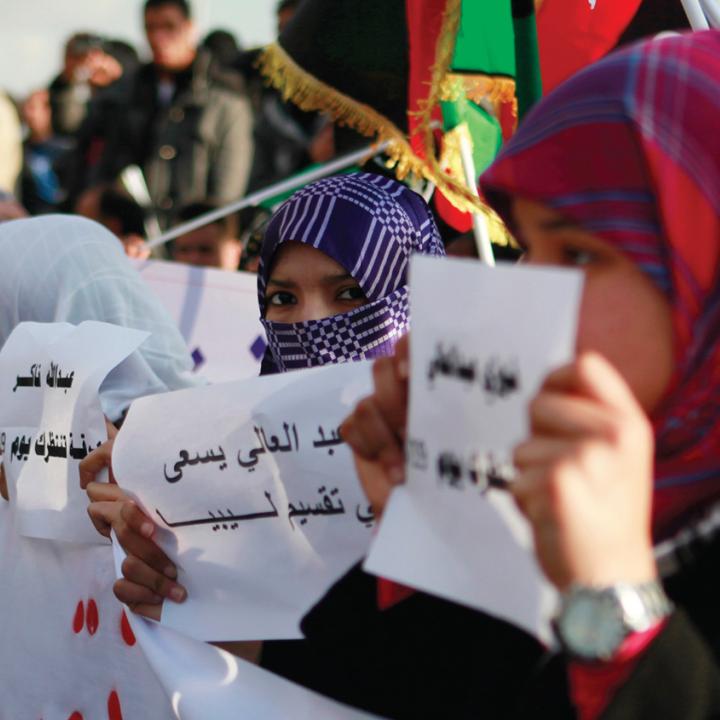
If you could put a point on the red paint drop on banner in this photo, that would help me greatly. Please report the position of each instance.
(79, 618)
(126, 631)
(114, 711)
(93, 619)
(76, 716)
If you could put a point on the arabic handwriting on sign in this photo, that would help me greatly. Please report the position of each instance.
(482, 472)
(367, 517)
(500, 379)
(274, 445)
(329, 443)
(56, 446)
(185, 459)
(54, 378)
(220, 519)
(326, 507)
(496, 378)
(20, 448)
(31, 380)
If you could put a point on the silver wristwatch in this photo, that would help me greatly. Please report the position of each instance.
(593, 622)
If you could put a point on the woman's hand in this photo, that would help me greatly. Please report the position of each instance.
(148, 574)
(585, 477)
(376, 428)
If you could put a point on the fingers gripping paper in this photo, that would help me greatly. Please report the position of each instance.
(204, 682)
(255, 495)
(482, 342)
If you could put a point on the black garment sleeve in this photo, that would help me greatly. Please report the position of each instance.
(677, 678)
(423, 658)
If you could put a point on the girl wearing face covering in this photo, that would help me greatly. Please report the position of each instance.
(332, 281)
(617, 172)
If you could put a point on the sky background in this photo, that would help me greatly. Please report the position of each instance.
(33, 32)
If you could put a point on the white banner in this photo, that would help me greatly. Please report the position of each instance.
(254, 493)
(217, 313)
(482, 342)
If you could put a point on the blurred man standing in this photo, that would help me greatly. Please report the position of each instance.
(187, 122)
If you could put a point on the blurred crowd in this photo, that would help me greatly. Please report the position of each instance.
(143, 146)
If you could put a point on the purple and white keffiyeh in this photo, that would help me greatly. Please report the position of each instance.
(370, 225)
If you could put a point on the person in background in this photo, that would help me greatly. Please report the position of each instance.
(223, 46)
(87, 67)
(287, 139)
(107, 95)
(43, 153)
(284, 13)
(213, 245)
(186, 122)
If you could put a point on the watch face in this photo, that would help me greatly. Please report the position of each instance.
(591, 625)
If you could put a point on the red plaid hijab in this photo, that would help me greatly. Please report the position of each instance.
(630, 149)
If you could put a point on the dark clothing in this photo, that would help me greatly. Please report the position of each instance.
(676, 678)
(679, 674)
(423, 658)
(44, 173)
(428, 658)
(196, 146)
(68, 104)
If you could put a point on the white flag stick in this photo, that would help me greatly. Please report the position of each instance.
(262, 195)
(480, 226)
(712, 12)
(696, 16)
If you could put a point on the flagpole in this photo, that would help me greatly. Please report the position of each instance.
(711, 8)
(696, 15)
(479, 221)
(267, 193)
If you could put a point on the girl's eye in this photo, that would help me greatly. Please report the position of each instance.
(281, 298)
(578, 257)
(351, 293)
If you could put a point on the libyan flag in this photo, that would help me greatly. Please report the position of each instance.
(389, 68)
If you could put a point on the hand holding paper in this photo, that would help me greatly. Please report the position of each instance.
(147, 572)
(585, 477)
(376, 428)
(473, 374)
(254, 497)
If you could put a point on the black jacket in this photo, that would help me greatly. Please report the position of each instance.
(199, 147)
(423, 658)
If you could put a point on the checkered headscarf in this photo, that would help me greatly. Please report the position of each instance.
(370, 225)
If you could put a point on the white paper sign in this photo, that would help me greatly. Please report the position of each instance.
(483, 340)
(67, 649)
(217, 313)
(205, 682)
(255, 494)
(51, 418)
